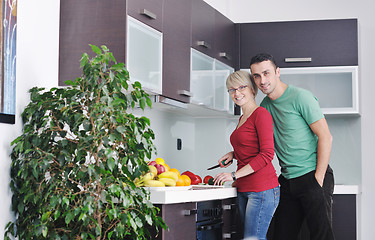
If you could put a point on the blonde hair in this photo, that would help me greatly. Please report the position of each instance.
(242, 78)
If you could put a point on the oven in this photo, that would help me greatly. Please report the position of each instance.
(209, 220)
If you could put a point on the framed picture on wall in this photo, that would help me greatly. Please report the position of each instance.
(8, 60)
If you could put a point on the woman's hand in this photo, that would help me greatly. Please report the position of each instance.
(221, 178)
(227, 157)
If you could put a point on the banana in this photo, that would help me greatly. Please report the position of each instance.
(171, 175)
(147, 176)
(168, 182)
(153, 183)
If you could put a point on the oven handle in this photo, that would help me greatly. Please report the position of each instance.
(209, 227)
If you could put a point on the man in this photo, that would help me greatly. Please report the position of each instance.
(303, 146)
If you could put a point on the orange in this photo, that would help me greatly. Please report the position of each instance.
(180, 181)
(175, 170)
(187, 180)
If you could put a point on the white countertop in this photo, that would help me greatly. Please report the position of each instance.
(346, 189)
(181, 195)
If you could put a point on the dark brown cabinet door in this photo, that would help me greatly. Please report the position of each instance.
(203, 27)
(87, 22)
(149, 12)
(213, 34)
(231, 220)
(344, 219)
(176, 49)
(326, 42)
(226, 46)
(181, 220)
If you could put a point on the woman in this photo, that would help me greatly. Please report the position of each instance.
(256, 181)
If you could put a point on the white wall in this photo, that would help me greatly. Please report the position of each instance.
(37, 65)
(289, 10)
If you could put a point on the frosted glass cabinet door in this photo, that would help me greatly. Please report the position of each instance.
(336, 88)
(144, 55)
(202, 83)
(222, 100)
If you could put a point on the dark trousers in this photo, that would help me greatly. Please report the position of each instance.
(303, 199)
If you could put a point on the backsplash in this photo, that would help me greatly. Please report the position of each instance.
(205, 140)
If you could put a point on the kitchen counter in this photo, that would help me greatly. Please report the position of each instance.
(181, 194)
(190, 195)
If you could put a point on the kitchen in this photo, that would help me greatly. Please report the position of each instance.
(37, 64)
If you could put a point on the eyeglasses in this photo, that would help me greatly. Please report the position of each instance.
(240, 89)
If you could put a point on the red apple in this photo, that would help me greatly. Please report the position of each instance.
(160, 168)
(152, 163)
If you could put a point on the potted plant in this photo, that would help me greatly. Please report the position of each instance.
(74, 165)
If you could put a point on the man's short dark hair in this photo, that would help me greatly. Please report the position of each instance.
(261, 57)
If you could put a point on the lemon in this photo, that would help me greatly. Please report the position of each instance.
(160, 161)
(167, 168)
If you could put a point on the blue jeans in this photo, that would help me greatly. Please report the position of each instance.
(256, 210)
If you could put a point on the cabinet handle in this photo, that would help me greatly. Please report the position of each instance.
(185, 93)
(225, 55)
(229, 206)
(308, 59)
(148, 14)
(190, 212)
(204, 44)
(228, 235)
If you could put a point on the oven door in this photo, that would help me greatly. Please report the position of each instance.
(209, 230)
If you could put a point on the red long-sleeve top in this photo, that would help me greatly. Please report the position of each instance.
(253, 144)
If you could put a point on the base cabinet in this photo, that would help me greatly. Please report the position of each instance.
(231, 221)
(206, 220)
(180, 219)
(344, 219)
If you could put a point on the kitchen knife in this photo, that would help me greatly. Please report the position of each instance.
(218, 165)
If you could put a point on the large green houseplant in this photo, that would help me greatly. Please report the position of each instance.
(74, 165)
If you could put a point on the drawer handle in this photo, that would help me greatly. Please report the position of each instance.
(148, 14)
(204, 44)
(185, 93)
(190, 212)
(225, 55)
(308, 59)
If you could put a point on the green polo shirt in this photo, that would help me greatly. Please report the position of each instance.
(295, 142)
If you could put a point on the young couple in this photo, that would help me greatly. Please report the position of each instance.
(290, 122)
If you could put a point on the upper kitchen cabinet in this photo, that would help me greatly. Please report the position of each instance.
(213, 34)
(149, 12)
(226, 45)
(301, 43)
(144, 55)
(336, 88)
(176, 50)
(207, 84)
(87, 22)
(202, 27)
